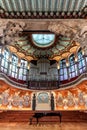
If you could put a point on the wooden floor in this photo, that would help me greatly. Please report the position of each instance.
(44, 126)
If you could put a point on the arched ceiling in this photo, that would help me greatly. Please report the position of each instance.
(18, 35)
(25, 47)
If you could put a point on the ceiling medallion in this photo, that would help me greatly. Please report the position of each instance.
(43, 40)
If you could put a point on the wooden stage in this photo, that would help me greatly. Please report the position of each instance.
(19, 120)
(44, 126)
(24, 116)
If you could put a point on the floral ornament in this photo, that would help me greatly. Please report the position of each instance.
(60, 100)
(70, 99)
(0, 99)
(10, 31)
(80, 98)
(62, 28)
(15, 100)
(26, 100)
(5, 96)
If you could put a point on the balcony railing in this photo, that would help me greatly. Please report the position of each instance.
(44, 85)
(11, 82)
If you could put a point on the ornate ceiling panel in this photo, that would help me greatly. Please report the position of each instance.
(25, 48)
(43, 5)
(42, 8)
(66, 32)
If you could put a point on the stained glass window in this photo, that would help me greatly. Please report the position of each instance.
(81, 62)
(73, 67)
(0, 55)
(23, 70)
(63, 70)
(13, 66)
(5, 61)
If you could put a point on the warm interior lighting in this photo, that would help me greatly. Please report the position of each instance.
(19, 64)
(76, 59)
(67, 63)
(83, 52)
(58, 66)
(12, 49)
(57, 58)
(21, 55)
(28, 67)
(29, 58)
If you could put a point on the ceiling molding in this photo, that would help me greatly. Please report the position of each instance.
(39, 9)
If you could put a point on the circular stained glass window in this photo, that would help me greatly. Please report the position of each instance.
(43, 40)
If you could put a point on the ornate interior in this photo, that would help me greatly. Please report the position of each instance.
(43, 50)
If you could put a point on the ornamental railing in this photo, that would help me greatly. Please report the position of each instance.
(44, 85)
(78, 80)
(11, 82)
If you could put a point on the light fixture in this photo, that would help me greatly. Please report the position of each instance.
(58, 65)
(76, 58)
(28, 67)
(67, 63)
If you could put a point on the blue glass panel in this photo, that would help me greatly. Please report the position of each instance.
(13, 66)
(43, 39)
(0, 50)
(61, 71)
(86, 59)
(61, 77)
(23, 69)
(80, 71)
(73, 74)
(0, 55)
(65, 76)
(5, 61)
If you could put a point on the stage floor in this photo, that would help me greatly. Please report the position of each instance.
(44, 126)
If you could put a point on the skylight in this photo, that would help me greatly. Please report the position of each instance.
(43, 40)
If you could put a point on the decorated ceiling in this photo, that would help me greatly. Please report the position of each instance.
(33, 45)
(36, 39)
(43, 5)
(32, 49)
(42, 8)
